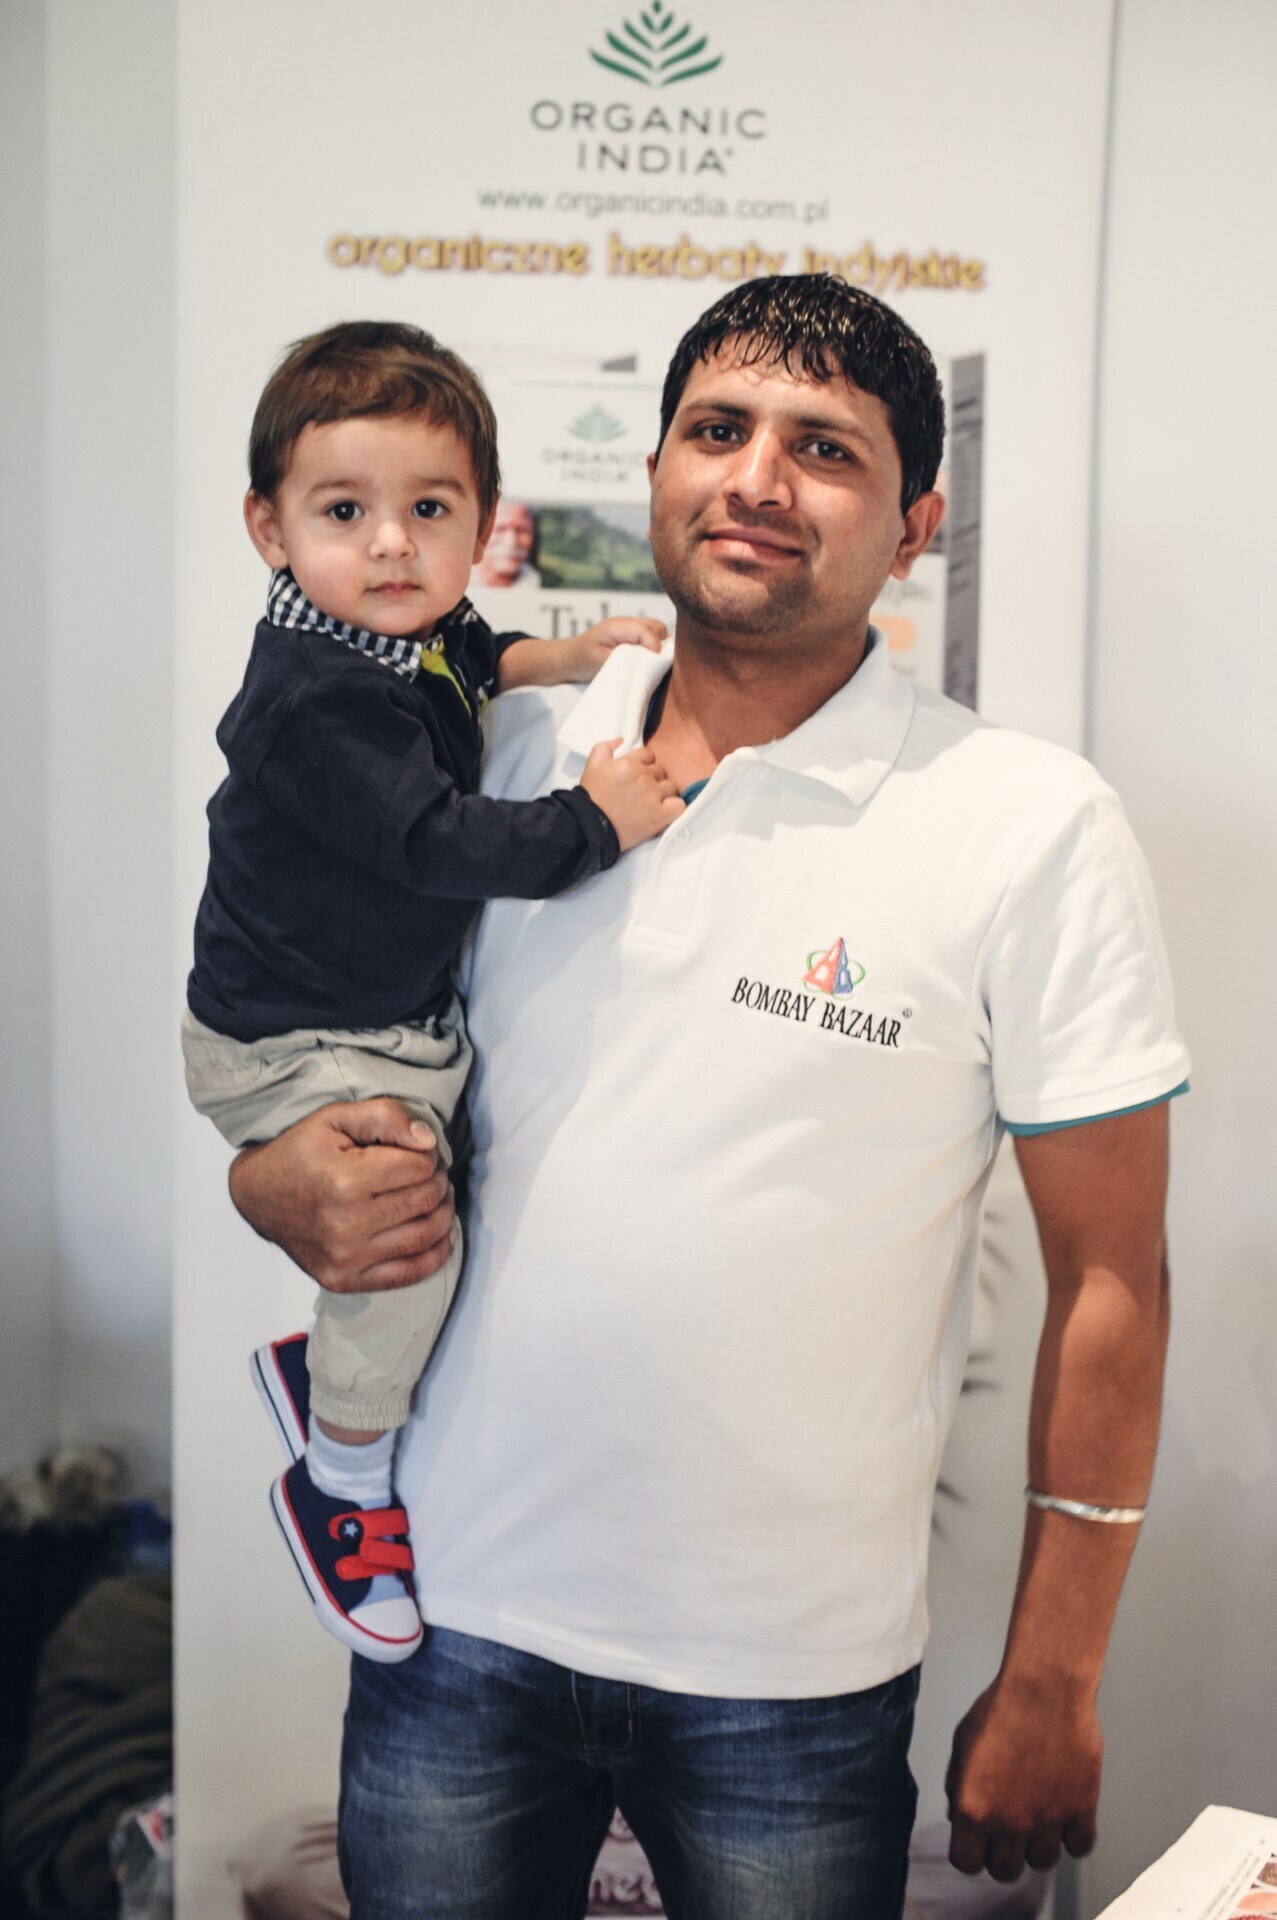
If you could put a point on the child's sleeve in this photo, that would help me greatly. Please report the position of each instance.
(480, 649)
(352, 768)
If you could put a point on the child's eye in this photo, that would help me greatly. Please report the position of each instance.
(428, 509)
(343, 510)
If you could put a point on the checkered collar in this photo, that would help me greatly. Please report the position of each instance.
(288, 606)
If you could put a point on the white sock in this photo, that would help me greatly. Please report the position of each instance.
(359, 1474)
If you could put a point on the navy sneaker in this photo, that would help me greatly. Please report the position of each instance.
(357, 1566)
(282, 1379)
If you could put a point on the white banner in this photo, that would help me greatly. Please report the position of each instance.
(557, 192)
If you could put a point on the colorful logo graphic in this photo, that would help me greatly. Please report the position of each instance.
(597, 426)
(657, 52)
(832, 971)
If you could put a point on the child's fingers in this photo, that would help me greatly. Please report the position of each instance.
(634, 630)
(651, 633)
(601, 755)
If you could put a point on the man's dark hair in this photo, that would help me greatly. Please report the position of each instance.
(361, 367)
(817, 325)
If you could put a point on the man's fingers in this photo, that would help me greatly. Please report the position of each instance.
(383, 1122)
(967, 1845)
(973, 1849)
(425, 1206)
(406, 1270)
(1079, 1835)
(1006, 1856)
(1043, 1849)
(380, 1171)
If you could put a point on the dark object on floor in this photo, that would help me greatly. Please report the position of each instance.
(101, 1740)
(43, 1572)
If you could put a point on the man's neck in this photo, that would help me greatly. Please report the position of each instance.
(718, 700)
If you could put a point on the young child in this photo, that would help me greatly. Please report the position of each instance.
(349, 850)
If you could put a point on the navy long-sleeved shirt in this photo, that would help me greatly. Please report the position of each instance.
(348, 846)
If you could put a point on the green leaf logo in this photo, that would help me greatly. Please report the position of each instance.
(657, 52)
(597, 426)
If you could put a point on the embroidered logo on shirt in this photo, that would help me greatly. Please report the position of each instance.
(832, 972)
(832, 977)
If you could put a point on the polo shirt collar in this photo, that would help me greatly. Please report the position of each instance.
(849, 744)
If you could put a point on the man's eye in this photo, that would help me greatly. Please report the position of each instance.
(428, 509)
(343, 510)
(829, 450)
(719, 433)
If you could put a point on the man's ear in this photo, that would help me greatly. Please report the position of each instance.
(922, 523)
(484, 534)
(263, 528)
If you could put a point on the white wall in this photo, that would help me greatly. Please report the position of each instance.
(88, 125)
(1184, 703)
(28, 1253)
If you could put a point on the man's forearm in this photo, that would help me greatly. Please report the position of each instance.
(1092, 1437)
(1024, 1778)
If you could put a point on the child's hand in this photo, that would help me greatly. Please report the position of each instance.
(590, 649)
(554, 663)
(635, 792)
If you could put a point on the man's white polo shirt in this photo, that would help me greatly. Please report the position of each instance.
(736, 1105)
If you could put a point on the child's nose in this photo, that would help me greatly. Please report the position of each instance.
(391, 536)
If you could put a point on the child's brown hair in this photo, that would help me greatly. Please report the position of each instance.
(361, 367)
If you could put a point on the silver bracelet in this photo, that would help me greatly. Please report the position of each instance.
(1084, 1510)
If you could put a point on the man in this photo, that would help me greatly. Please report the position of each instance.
(672, 1467)
(509, 559)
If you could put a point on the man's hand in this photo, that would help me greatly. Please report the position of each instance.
(1024, 1779)
(354, 1194)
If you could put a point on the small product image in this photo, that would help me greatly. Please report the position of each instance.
(511, 556)
(597, 549)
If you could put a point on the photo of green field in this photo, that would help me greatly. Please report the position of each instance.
(593, 549)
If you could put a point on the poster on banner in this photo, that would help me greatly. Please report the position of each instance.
(570, 544)
(1223, 1868)
(557, 194)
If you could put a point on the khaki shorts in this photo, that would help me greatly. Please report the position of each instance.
(367, 1350)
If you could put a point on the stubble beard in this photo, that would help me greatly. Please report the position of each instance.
(733, 602)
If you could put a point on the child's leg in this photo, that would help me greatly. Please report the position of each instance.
(367, 1352)
(334, 1504)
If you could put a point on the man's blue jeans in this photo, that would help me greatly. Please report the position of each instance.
(478, 1783)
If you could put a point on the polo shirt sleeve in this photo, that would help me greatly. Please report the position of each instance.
(1075, 981)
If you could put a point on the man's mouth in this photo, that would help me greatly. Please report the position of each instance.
(754, 543)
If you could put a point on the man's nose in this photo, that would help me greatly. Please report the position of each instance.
(759, 475)
(390, 536)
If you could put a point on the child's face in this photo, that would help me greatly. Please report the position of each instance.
(379, 520)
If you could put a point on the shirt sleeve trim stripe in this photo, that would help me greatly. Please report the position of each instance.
(1021, 1129)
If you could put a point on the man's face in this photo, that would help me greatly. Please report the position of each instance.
(509, 544)
(776, 506)
(379, 520)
